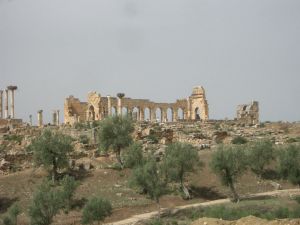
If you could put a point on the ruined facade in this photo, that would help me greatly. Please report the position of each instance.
(248, 114)
(195, 107)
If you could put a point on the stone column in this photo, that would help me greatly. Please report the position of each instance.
(164, 115)
(30, 120)
(6, 104)
(153, 115)
(142, 114)
(54, 117)
(12, 100)
(120, 96)
(40, 118)
(57, 118)
(1, 104)
(175, 115)
(188, 110)
(109, 105)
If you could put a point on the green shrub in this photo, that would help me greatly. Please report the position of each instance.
(239, 140)
(134, 156)
(14, 137)
(96, 210)
(12, 216)
(84, 139)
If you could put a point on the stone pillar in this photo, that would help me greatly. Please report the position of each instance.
(1, 104)
(153, 115)
(109, 105)
(164, 115)
(119, 110)
(12, 100)
(40, 118)
(6, 104)
(142, 114)
(54, 117)
(175, 115)
(57, 118)
(188, 110)
(30, 120)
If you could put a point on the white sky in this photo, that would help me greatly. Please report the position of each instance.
(154, 49)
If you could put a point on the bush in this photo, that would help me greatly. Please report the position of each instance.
(239, 140)
(84, 139)
(134, 156)
(14, 137)
(69, 186)
(45, 204)
(12, 216)
(96, 210)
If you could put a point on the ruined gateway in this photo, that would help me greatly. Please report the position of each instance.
(195, 107)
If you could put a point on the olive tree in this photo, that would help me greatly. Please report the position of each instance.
(289, 163)
(116, 133)
(51, 149)
(149, 178)
(229, 162)
(181, 158)
(134, 155)
(260, 154)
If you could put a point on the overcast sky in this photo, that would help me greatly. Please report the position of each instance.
(239, 50)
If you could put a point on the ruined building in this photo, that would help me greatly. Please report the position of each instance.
(248, 114)
(195, 107)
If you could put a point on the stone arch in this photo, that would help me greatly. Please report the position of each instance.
(91, 113)
(170, 115)
(158, 114)
(180, 114)
(147, 114)
(124, 111)
(197, 113)
(135, 113)
(113, 111)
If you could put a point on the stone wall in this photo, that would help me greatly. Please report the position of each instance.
(248, 114)
(195, 107)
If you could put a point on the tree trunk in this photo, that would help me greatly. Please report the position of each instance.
(158, 208)
(235, 195)
(54, 171)
(118, 156)
(185, 190)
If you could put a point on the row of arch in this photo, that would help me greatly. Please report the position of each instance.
(147, 114)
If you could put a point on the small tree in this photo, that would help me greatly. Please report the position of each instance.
(289, 163)
(46, 203)
(239, 140)
(134, 156)
(51, 149)
(149, 178)
(180, 159)
(116, 133)
(69, 186)
(260, 154)
(229, 162)
(12, 216)
(97, 209)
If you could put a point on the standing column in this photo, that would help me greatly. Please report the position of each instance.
(30, 120)
(175, 115)
(57, 118)
(142, 114)
(120, 96)
(153, 115)
(109, 105)
(164, 115)
(188, 110)
(6, 104)
(1, 104)
(40, 118)
(54, 117)
(12, 100)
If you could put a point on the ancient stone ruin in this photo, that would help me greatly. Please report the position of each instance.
(6, 114)
(248, 114)
(195, 107)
